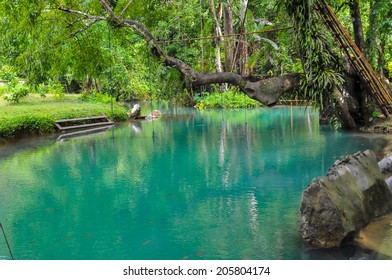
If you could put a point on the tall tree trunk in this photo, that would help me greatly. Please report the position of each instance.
(344, 114)
(361, 94)
(228, 28)
(88, 85)
(357, 24)
(218, 33)
(380, 61)
(241, 52)
(370, 49)
(243, 55)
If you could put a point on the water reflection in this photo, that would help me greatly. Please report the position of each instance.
(208, 185)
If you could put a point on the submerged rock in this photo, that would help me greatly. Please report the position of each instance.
(353, 194)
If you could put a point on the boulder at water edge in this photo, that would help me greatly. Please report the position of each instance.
(352, 195)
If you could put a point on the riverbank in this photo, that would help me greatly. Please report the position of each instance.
(379, 125)
(36, 115)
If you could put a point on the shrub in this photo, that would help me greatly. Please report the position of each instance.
(29, 123)
(230, 99)
(17, 92)
(3, 90)
(8, 74)
(56, 88)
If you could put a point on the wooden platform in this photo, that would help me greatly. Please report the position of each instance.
(83, 123)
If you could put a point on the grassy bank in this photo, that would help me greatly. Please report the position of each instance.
(37, 115)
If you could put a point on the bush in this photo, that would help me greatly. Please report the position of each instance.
(230, 99)
(29, 123)
(3, 90)
(42, 90)
(17, 92)
(56, 88)
(8, 74)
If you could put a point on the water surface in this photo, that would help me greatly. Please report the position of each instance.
(191, 185)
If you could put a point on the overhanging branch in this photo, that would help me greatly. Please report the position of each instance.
(267, 91)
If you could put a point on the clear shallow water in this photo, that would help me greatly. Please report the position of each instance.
(208, 185)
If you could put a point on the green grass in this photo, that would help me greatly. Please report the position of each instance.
(37, 115)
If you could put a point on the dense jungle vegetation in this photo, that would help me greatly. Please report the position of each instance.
(191, 52)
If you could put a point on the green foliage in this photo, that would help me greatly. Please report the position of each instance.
(230, 99)
(26, 124)
(42, 90)
(15, 89)
(8, 74)
(335, 123)
(56, 89)
(321, 65)
(96, 97)
(17, 92)
(378, 32)
(3, 90)
(44, 44)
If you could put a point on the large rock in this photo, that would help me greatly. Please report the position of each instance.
(352, 195)
(135, 112)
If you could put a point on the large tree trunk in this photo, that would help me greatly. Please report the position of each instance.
(380, 60)
(344, 113)
(218, 33)
(267, 91)
(241, 54)
(357, 24)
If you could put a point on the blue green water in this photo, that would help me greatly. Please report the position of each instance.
(191, 185)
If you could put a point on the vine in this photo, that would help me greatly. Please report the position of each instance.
(322, 71)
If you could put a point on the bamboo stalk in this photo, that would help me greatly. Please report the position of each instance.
(355, 57)
(6, 241)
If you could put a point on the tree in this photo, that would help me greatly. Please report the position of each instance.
(378, 39)
(266, 91)
(357, 24)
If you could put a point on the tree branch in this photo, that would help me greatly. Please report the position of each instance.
(125, 8)
(85, 15)
(109, 10)
(73, 34)
(267, 91)
(74, 22)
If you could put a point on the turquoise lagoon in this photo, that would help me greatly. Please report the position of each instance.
(191, 185)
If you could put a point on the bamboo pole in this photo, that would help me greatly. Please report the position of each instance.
(6, 241)
(355, 57)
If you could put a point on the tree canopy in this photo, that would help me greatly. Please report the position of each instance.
(145, 49)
